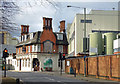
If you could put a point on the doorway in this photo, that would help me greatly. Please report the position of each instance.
(36, 64)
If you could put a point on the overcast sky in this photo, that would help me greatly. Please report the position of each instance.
(31, 14)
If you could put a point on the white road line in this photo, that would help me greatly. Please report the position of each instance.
(58, 81)
(49, 78)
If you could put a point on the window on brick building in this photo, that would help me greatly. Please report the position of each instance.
(48, 46)
(20, 50)
(24, 49)
(60, 36)
(28, 48)
(25, 37)
(60, 48)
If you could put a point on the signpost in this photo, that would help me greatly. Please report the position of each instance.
(85, 66)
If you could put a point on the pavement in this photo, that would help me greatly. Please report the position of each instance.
(80, 77)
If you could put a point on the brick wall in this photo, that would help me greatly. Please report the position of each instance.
(107, 67)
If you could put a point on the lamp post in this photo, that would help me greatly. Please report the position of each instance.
(84, 34)
(84, 30)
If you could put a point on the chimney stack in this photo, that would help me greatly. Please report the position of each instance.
(62, 26)
(24, 29)
(47, 23)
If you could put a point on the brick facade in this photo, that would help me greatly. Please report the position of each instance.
(106, 67)
(46, 35)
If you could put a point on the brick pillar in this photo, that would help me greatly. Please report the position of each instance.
(110, 63)
(97, 67)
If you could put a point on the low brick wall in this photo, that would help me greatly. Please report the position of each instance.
(107, 67)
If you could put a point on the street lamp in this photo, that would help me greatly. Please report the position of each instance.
(84, 35)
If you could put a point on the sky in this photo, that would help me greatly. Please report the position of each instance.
(32, 13)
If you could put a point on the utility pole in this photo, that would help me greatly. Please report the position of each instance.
(85, 41)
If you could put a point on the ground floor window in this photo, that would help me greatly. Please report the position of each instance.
(28, 62)
(17, 63)
(23, 62)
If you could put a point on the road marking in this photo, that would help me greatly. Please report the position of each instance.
(49, 78)
(58, 81)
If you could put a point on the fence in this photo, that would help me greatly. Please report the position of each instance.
(107, 67)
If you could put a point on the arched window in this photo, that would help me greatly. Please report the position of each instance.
(48, 46)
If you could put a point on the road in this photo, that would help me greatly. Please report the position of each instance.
(40, 78)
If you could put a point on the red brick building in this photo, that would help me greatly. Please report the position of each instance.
(41, 46)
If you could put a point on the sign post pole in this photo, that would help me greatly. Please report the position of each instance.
(84, 66)
(5, 68)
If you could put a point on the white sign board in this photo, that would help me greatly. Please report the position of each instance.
(68, 63)
(116, 43)
(93, 50)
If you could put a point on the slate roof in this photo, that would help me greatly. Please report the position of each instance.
(36, 39)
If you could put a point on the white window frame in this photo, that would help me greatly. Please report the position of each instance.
(60, 36)
(32, 48)
(31, 35)
(20, 39)
(25, 37)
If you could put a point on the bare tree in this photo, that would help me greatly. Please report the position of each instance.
(9, 8)
(7, 11)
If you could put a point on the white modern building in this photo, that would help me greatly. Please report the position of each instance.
(96, 21)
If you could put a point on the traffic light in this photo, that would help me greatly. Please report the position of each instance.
(5, 53)
(63, 56)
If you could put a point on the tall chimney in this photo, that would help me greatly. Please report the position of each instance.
(62, 26)
(24, 29)
(47, 23)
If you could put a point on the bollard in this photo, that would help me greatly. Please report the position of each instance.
(75, 72)
(17, 81)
